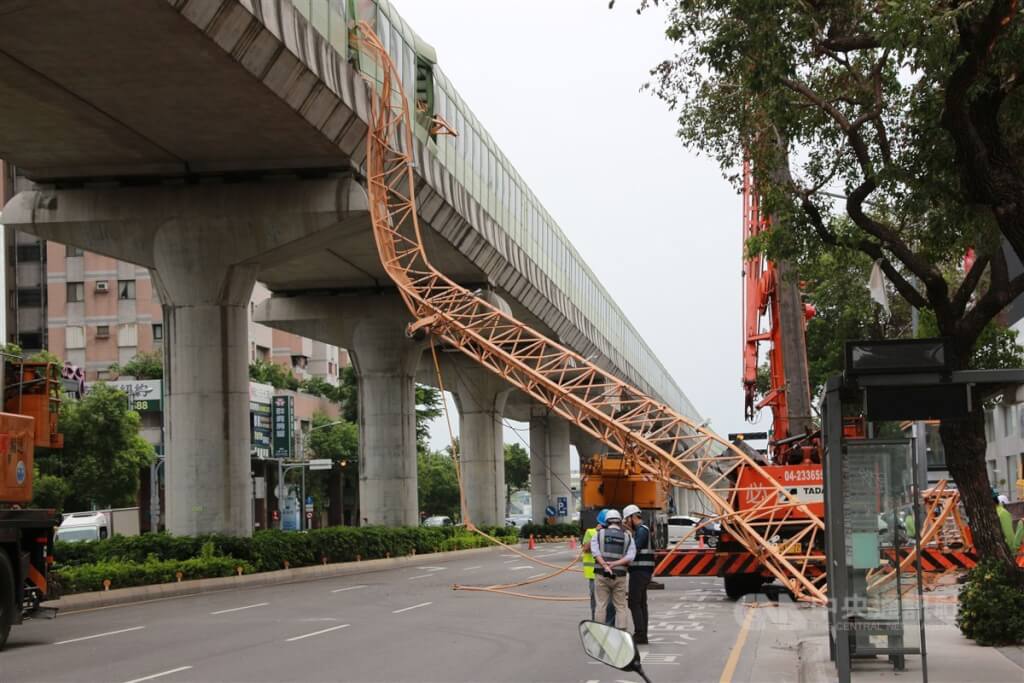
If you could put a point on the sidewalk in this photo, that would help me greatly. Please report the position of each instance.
(951, 657)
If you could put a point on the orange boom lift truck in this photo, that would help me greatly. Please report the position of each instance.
(32, 394)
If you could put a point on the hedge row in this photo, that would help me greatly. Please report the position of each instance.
(549, 530)
(90, 577)
(155, 558)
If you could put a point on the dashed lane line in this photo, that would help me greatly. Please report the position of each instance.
(476, 566)
(536, 576)
(239, 609)
(421, 576)
(316, 633)
(162, 673)
(99, 635)
(525, 566)
(406, 609)
(347, 588)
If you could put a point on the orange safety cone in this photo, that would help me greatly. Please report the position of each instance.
(700, 542)
(533, 543)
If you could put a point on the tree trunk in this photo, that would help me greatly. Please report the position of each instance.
(964, 443)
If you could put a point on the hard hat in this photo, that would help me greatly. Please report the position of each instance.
(612, 516)
(630, 510)
(1003, 500)
(601, 517)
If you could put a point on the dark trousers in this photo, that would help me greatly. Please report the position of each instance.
(637, 601)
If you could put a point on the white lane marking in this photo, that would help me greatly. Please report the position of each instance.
(475, 566)
(162, 673)
(536, 576)
(421, 576)
(239, 609)
(518, 559)
(316, 633)
(432, 569)
(346, 588)
(507, 555)
(406, 609)
(525, 566)
(99, 635)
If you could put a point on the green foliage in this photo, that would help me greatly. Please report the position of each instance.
(428, 407)
(154, 558)
(49, 491)
(45, 356)
(348, 393)
(274, 374)
(991, 606)
(549, 530)
(102, 452)
(12, 349)
(438, 484)
(146, 365)
(90, 577)
(517, 469)
(338, 442)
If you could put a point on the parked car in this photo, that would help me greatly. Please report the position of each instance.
(681, 525)
(438, 520)
(517, 520)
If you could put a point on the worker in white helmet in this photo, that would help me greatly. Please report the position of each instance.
(613, 549)
(641, 569)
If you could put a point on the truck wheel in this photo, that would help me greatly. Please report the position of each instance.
(738, 585)
(7, 605)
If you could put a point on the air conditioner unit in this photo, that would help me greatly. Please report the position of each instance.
(102, 286)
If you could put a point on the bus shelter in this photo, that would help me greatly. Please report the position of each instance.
(873, 485)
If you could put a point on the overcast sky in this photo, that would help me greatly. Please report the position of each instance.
(557, 84)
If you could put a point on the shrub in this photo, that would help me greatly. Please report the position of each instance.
(90, 577)
(991, 606)
(549, 530)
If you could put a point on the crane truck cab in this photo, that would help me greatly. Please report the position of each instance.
(83, 526)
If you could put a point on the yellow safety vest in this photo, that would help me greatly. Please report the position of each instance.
(588, 559)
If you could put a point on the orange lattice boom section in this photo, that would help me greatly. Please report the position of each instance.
(651, 436)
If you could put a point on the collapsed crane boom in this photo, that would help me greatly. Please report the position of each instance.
(650, 435)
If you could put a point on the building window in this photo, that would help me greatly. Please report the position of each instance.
(126, 289)
(158, 331)
(102, 331)
(75, 251)
(29, 252)
(30, 296)
(74, 337)
(76, 292)
(30, 340)
(128, 334)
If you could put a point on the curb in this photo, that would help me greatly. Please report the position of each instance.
(136, 594)
(813, 663)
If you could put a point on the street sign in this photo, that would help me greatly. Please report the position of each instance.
(283, 423)
(320, 464)
(550, 511)
(563, 506)
(309, 514)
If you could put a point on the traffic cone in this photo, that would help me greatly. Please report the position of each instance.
(700, 542)
(533, 543)
(572, 543)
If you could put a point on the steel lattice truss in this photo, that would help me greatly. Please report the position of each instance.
(652, 437)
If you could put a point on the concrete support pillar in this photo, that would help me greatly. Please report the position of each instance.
(480, 397)
(206, 377)
(385, 362)
(550, 470)
(372, 328)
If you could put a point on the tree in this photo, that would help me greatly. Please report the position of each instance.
(275, 374)
(517, 469)
(336, 440)
(438, 484)
(911, 110)
(146, 365)
(102, 452)
(428, 407)
(49, 491)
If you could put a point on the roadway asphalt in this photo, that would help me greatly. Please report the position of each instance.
(404, 624)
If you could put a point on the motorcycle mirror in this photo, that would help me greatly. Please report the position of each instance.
(611, 646)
